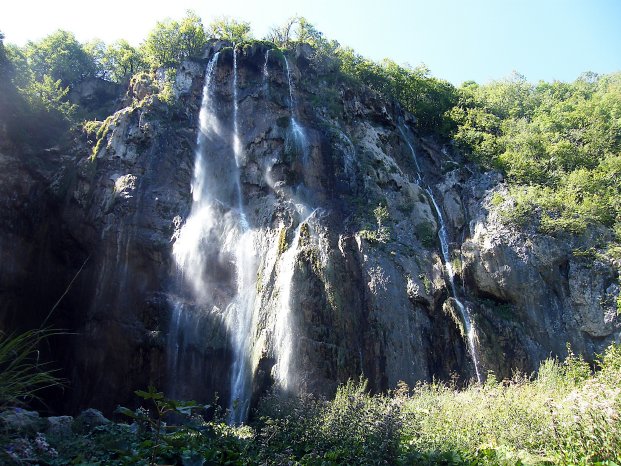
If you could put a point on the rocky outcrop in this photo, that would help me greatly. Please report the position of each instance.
(368, 289)
(537, 293)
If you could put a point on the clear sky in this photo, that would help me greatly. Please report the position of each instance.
(458, 40)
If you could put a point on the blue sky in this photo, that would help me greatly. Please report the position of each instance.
(458, 40)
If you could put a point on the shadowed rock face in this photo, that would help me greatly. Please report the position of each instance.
(355, 305)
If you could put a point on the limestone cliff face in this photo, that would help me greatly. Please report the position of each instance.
(367, 289)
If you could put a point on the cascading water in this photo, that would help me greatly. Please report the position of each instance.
(298, 131)
(266, 74)
(216, 236)
(283, 331)
(187, 250)
(236, 141)
(463, 309)
(446, 256)
(240, 312)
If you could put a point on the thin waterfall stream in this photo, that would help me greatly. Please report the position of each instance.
(298, 131)
(446, 257)
(240, 312)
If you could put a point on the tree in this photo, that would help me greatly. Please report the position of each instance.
(192, 35)
(229, 29)
(4, 61)
(296, 29)
(282, 35)
(121, 61)
(60, 56)
(171, 42)
(96, 49)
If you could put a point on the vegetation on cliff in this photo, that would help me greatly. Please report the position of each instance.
(557, 143)
(558, 146)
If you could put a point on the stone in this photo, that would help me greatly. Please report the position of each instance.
(21, 421)
(87, 420)
(59, 426)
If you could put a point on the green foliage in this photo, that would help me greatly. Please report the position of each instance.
(155, 424)
(171, 42)
(382, 233)
(354, 428)
(567, 414)
(61, 57)
(282, 240)
(229, 29)
(166, 93)
(426, 283)
(426, 234)
(21, 373)
(557, 143)
(296, 30)
(426, 97)
(49, 96)
(121, 61)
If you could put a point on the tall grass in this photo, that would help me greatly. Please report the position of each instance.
(22, 375)
(567, 414)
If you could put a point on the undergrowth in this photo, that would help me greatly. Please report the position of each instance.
(566, 414)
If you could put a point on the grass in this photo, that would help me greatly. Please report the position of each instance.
(22, 376)
(566, 414)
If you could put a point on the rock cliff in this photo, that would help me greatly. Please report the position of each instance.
(333, 192)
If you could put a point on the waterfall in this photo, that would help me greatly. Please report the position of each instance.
(284, 326)
(240, 312)
(237, 150)
(266, 74)
(463, 309)
(298, 131)
(215, 243)
(446, 256)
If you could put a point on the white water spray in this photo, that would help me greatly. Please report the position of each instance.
(266, 74)
(237, 149)
(239, 315)
(216, 237)
(463, 309)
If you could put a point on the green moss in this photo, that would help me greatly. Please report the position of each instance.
(102, 134)
(456, 264)
(166, 93)
(91, 128)
(497, 199)
(259, 285)
(311, 256)
(304, 234)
